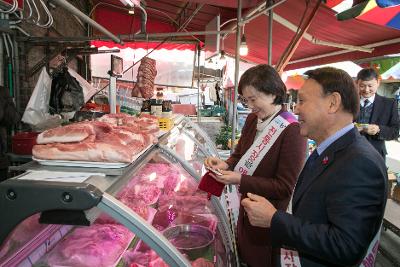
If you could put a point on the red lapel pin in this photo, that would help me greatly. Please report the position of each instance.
(325, 160)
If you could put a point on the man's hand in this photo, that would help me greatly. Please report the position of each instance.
(228, 177)
(259, 210)
(372, 129)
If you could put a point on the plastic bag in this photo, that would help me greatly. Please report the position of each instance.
(66, 93)
(36, 111)
(88, 89)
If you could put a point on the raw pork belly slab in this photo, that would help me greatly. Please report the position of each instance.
(95, 246)
(113, 151)
(66, 134)
(73, 133)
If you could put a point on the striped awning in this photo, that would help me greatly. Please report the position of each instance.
(381, 12)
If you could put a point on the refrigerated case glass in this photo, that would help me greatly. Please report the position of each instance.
(163, 194)
(20, 237)
(187, 126)
(187, 149)
(191, 144)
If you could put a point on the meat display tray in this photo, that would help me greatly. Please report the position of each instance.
(89, 164)
(85, 164)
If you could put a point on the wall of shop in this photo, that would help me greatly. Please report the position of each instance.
(30, 53)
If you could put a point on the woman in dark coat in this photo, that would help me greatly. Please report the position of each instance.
(276, 172)
(8, 117)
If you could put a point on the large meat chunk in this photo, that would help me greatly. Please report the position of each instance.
(113, 151)
(76, 132)
(66, 134)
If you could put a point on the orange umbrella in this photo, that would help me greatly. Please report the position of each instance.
(294, 82)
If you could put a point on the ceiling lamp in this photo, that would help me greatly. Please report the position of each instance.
(243, 49)
(131, 11)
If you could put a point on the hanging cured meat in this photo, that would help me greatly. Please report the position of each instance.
(145, 78)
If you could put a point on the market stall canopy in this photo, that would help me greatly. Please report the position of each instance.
(392, 74)
(383, 12)
(326, 40)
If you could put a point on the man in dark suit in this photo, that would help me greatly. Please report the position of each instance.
(378, 119)
(340, 197)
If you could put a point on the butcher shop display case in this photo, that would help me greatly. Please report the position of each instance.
(188, 127)
(151, 215)
(191, 144)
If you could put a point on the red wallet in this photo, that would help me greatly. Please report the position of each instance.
(210, 185)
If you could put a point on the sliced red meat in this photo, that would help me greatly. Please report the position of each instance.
(148, 193)
(97, 245)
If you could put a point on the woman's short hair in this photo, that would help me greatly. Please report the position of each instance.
(264, 79)
(367, 74)
(337, 80)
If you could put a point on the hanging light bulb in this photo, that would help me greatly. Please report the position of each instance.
(243, 49)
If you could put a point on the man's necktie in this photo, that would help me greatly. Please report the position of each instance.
(366, 102)
(307, 167)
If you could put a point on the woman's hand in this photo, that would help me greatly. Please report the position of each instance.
(216, 163)
(228, 177)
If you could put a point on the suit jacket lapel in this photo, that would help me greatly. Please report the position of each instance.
(376, 109)
(309, 176)
(322, 163)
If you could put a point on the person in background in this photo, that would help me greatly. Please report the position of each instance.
(378, 119)
(340, 197)
(8, 117)
(267, 160)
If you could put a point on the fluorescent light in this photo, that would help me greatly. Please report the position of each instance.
(243, 49)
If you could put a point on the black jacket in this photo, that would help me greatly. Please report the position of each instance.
(385, 115)
(338, 207)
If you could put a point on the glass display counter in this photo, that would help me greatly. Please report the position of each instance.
(151, 215)
(189, 142)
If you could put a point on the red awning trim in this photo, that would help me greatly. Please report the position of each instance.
(145, 45)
